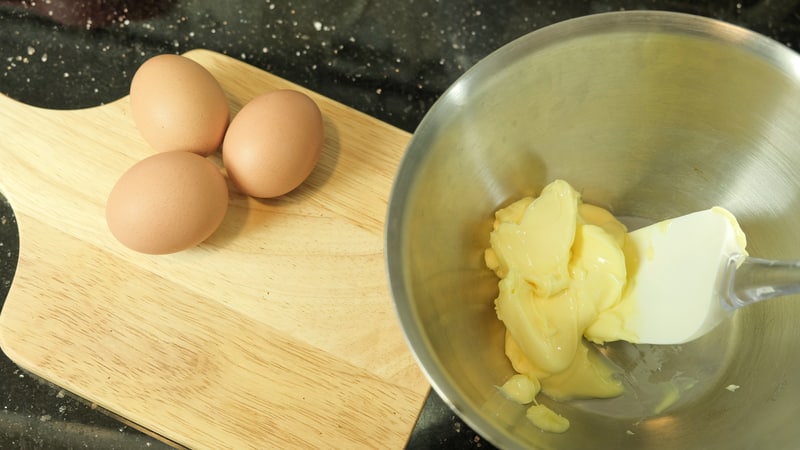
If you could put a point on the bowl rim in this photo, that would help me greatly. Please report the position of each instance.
(653, 21)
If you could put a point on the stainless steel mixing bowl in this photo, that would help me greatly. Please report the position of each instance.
(652, 115)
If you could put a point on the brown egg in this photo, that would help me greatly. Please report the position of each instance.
(273, 143)
(178, 105)
(167, 202)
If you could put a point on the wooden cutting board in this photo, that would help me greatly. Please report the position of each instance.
(277, 332)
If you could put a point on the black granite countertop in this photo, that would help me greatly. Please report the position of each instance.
(388, 59)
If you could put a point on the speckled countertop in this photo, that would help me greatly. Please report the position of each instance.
(388, 59)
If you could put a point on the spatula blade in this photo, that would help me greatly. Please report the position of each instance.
(675, 269)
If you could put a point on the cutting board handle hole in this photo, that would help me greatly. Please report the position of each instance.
(9, 247)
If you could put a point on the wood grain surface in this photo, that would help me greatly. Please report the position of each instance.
(277, 332)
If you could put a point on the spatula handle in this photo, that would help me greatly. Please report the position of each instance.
(757, 279)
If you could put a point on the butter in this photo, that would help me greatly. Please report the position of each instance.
(547, 419)
(741, 239)
(562, 272)
(546, 229)
(521, 388)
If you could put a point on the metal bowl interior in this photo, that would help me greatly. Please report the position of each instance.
(652, 115)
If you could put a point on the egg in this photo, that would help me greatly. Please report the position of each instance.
(273, 144)
(167, 202)
(177, 105)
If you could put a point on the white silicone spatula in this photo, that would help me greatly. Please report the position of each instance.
(687, 275)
